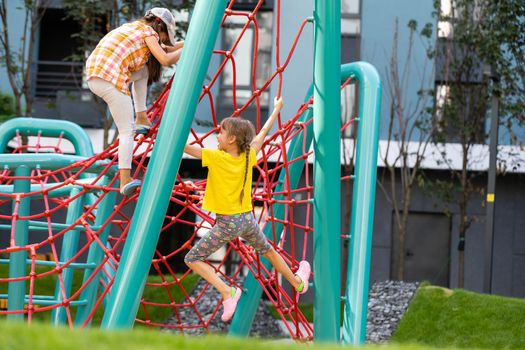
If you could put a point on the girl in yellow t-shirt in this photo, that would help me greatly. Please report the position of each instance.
(228, 195)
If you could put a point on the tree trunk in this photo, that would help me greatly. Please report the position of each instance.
(463, 219)
(403, 228)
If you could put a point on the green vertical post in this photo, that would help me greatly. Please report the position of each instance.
(362, 220)
(164, 164)
(68, 250)
(247, 307)
(16, 291)
(243, 318)
(95, 256)
(327, 170)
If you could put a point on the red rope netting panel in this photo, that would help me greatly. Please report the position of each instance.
(170, 290)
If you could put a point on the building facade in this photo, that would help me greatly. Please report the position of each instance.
(368, 29)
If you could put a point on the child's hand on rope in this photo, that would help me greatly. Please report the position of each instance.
(278, 104)
(189, 185)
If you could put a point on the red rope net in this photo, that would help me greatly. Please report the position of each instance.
(169, 290)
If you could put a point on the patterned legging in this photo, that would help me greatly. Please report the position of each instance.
(226, 229)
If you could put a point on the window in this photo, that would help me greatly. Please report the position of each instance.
(350, 18)
(350, 52)
(449, 12)
(444, 24)
(469, 110)
(248, 5)
(244, 60)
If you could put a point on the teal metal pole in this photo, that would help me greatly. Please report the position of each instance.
(68, 250)
(247, 307)
(327, 170)
(95, 256)
(16, 291)
(354, 326)
(164, 164)
(49, 128)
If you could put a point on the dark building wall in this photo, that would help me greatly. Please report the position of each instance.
(509, 236)
(509, 243)
(509, 233)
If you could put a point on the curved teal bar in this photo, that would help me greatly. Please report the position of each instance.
(124, 298)
(68, 250)
(49, 128)
(243, 318)
(363, 200)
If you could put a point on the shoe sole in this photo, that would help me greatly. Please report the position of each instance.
(129, 188)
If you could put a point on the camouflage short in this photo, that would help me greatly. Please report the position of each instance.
(226, 229)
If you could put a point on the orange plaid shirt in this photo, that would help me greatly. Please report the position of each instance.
(119, 53)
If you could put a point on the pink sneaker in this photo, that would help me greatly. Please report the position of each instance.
(304, 274)
(230, 305)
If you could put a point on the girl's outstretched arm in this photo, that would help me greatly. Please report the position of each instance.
(194, 151)
(259, 139)
(178, 45)
(164, 58)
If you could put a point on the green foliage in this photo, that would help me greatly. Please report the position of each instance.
(7, 107)
(97, 18)
(485, 33)
(18, 62)
(442, 317)
(162, 295)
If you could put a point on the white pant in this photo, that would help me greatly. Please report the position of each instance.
(121, 109)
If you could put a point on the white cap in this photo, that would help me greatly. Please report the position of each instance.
(167, 17)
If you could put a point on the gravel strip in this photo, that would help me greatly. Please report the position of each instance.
(264, 325)
(387, 303)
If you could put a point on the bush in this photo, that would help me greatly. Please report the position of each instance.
(7, 107)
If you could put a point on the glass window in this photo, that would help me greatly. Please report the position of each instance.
(350, 7)
(442, 94)
(349, 53)
(444, 25)
(350, 26)
(244, 60)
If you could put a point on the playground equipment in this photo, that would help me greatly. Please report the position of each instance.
(112, 241)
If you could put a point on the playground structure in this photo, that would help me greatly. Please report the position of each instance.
(115, 250)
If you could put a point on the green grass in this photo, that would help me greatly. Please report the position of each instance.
(307, 310)
(160, 295)
(437, 317)
(19, 336)
(157, 314)
(442, 317)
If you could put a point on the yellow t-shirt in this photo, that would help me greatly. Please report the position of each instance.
(224, 184)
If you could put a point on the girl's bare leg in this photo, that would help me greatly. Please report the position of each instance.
(282, 267)
(125, 177)
(208, 273)
(142, 118)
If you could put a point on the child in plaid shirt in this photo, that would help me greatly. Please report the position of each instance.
(133, 52)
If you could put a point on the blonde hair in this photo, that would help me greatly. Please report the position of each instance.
(244, 133)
